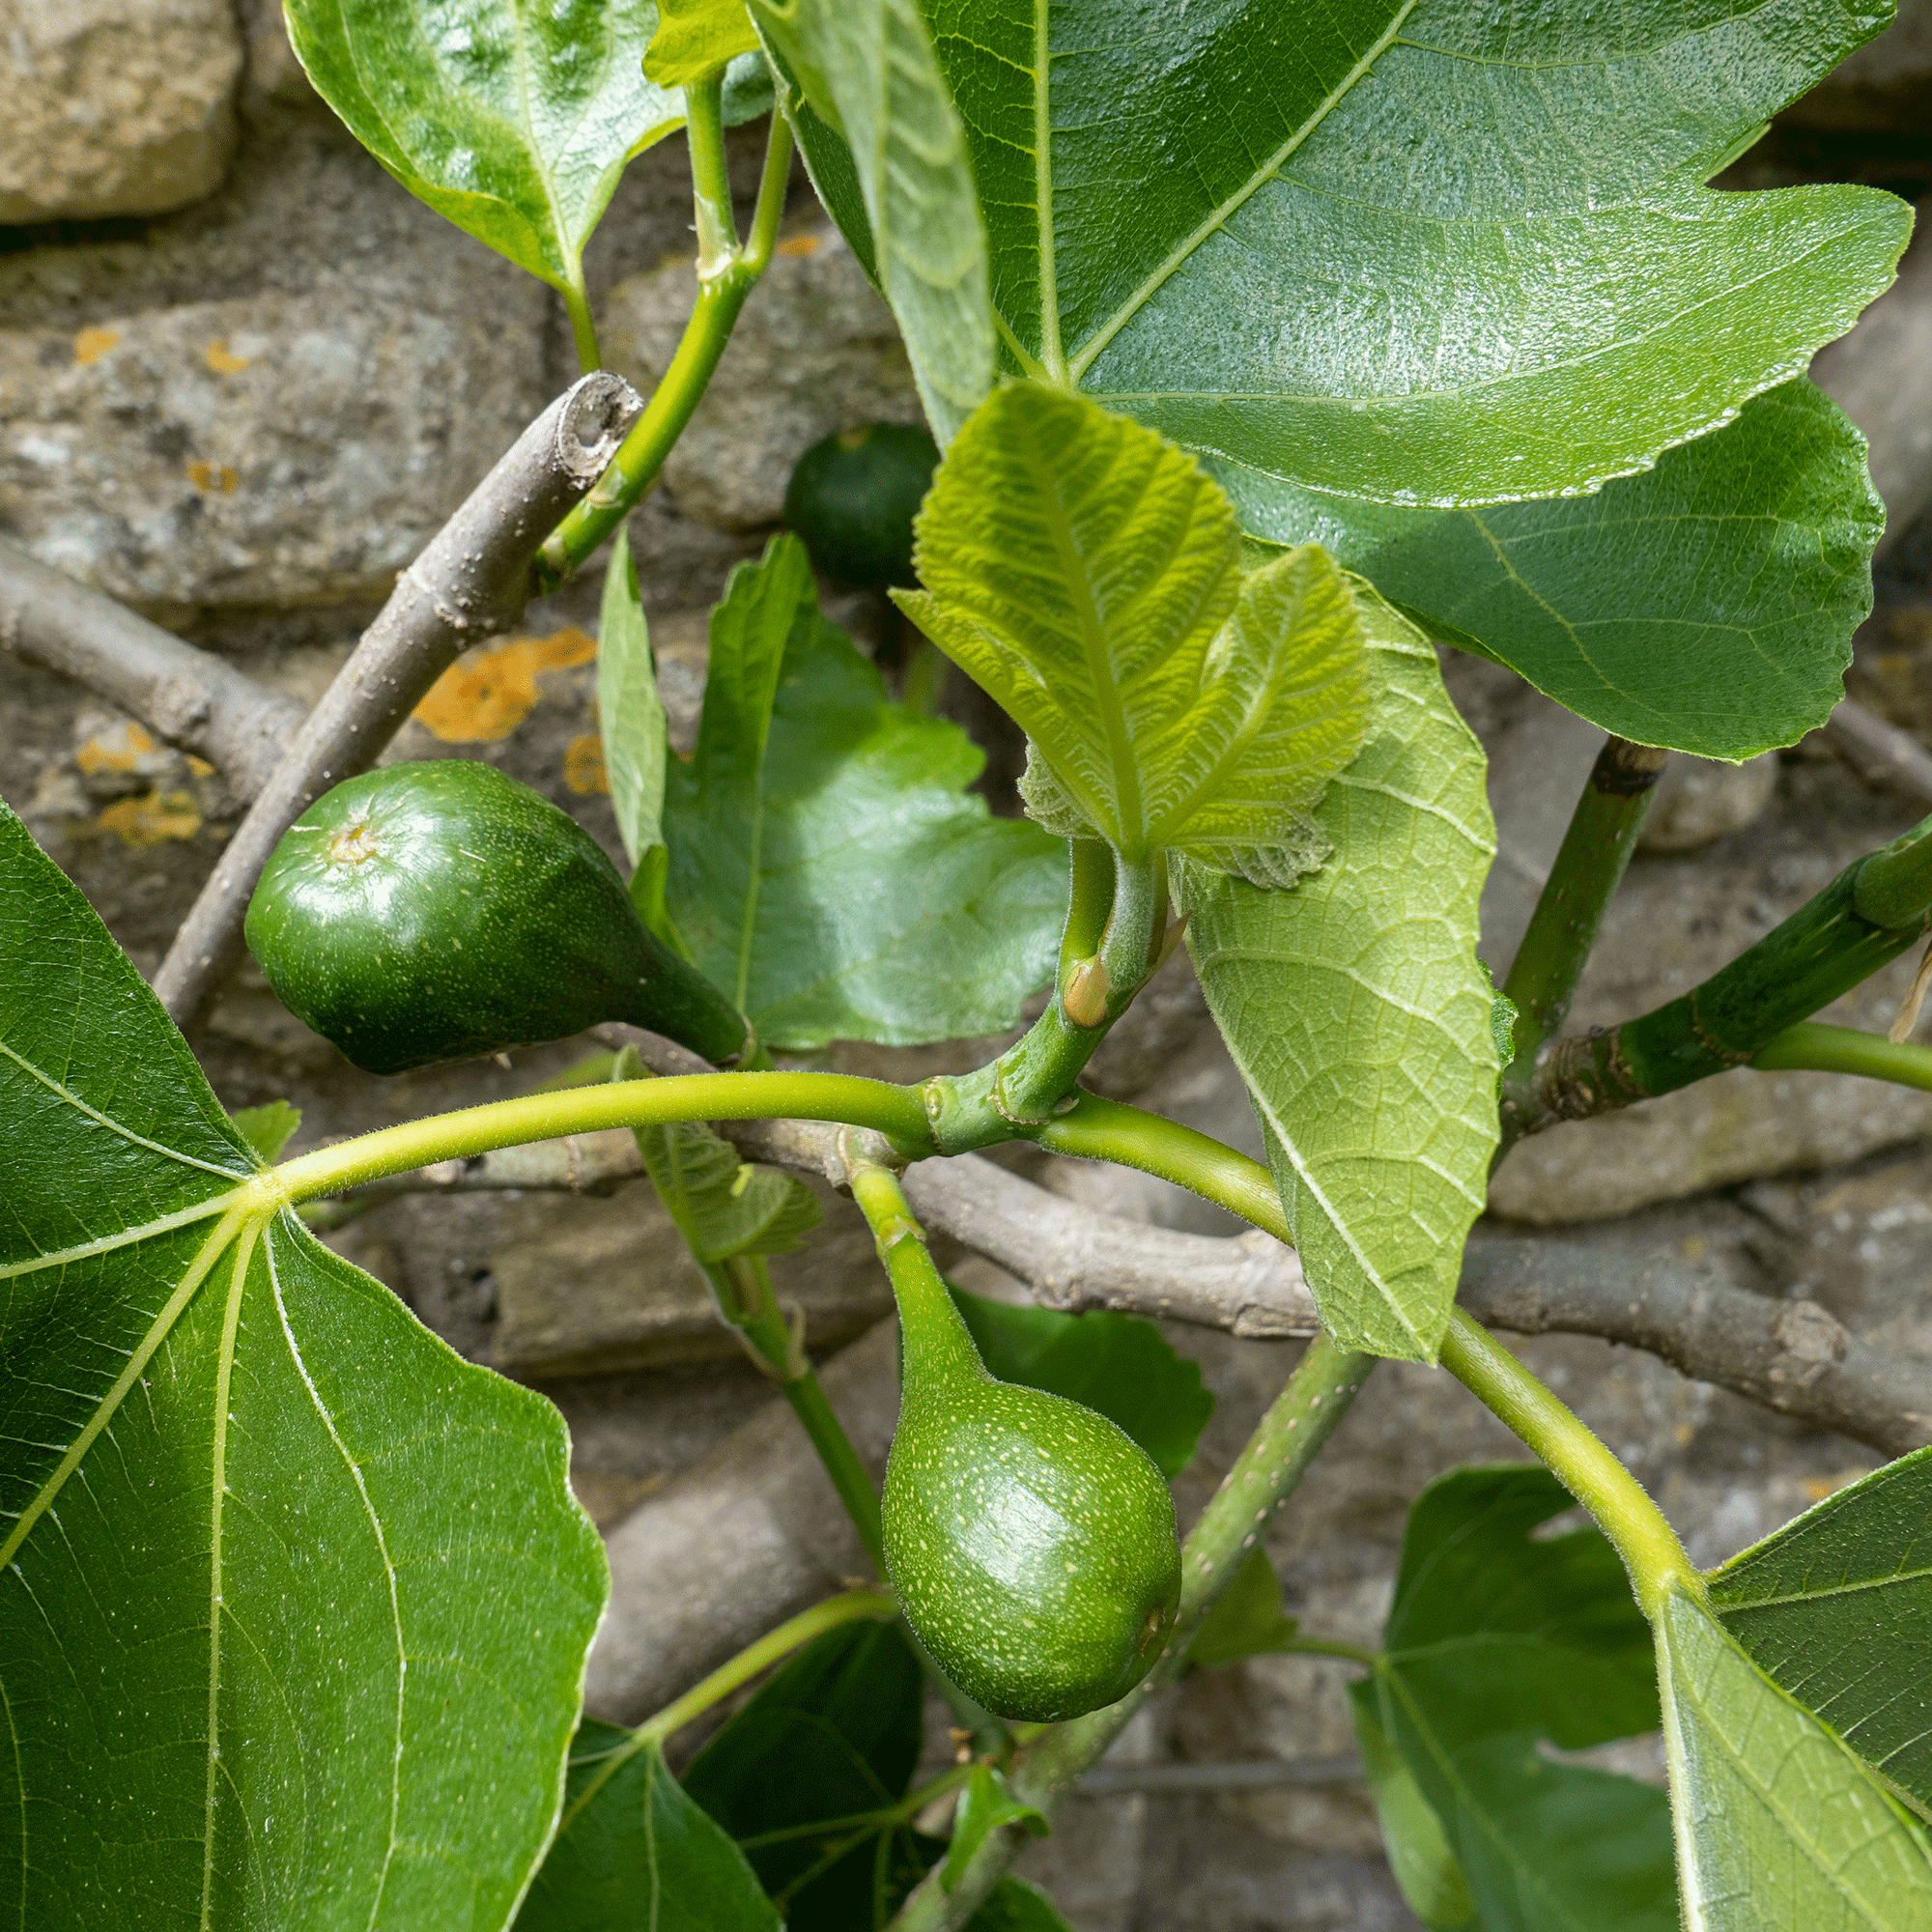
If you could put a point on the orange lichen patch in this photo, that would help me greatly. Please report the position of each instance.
(92, 344)
(800, 244)
(222, 360)
(152, 817)
(583, 765)
(200, 767)
(487, 698)
(211, 478)
(120, 749)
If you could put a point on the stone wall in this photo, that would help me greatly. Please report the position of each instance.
(243, 375)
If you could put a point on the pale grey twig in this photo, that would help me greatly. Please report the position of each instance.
(1880, 752)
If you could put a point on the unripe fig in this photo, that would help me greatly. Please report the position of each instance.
(1031, 1541)
(431, 911)
(853, 497)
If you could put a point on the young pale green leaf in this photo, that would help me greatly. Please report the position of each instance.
(1418, 1854)
(632, 1851)
(277, 1569)
(834, 1735)
(883, 137)
(512, 118)
(696, 38)
(1117, 1364)
(1247, 1619)
(1360, 1016)
(1837, 1608)
(827, 868)
(985, 1805)
(1779, 1822)
(1087, 575)
(723, 1206)
(1498, 1640)
(1015, 1906)
(1708, 604)
(1410, 250)
(267, 1129)
(630, 714)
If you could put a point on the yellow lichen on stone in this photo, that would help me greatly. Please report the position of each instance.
(212, 479)
(92, 344)
(120, 749)
(151, 818)
(487, 697)
(222, 360)
(583, 765)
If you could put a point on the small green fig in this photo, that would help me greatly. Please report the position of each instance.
(426, 912)
(853, 497)
(1031, 1541)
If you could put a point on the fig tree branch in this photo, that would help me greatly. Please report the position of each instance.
(473, 580)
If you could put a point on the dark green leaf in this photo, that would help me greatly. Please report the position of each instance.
(1837, 1608)
(1410, 250)
(513, 118)
(1015, 1906)
(1708, 604)
(827, 869)
(1087, 575)
(696, 38)
(1247, 1619)
(1117, 1364)
(1360, 1017)
(1418, 1854)
(631, 1851)
(985, 1805)
(281, 1572)
(881, 122)
(267, 1129)
(630, 714)
(797, 1774)
(1779, 1823)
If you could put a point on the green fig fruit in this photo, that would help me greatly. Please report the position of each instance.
(426, 912)
(1031, 1541)
(853, 497)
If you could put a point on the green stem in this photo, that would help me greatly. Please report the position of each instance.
(842, 1462)
(894, 1112)
(583, 328)
(1292, 1434)
(1589, 867)
(710, 179)
(1647, 1543)
(1825, 948)
(1810, 1048)
(1322, 1646)
(725, 1679)
(642, 456)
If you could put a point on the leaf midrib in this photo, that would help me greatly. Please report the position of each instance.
(1918, 1576)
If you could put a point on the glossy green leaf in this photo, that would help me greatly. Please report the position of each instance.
(1707, 604)
(827, 869)
(1418, 1853)
(1015, 1906)
(1087, 575)
(831, 1739)
(1117, 1364)
(1359, 1015)
(1500, 1639)
(630, 714)
(633, 1854)
(1247, 1619)
(512, 118)
(1410, 250)
(278, 1570)
(696, 38)
(1779, 1822)
(984, 1807)
(267, 1129)
(880, 130)
(1836, 1607)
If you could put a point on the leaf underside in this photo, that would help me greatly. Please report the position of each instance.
(1359, 1015)
(280, 1569)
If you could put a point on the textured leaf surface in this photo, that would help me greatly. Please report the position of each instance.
(1708, 604)
(1498, 1640)
(886, 149)
(280, 1571)
(1359, 1015)
(1409, 250)
(985, 1805)
(511, 118)
(1418, 1853)
(1247, 1619)
(633, 1854)
(1087, 575)
(1117, 1364)
(1778, 1822)
(1837, 1608)
(724, 1206)
(827, 869)
(695, 38)
(631, 716)
(267, 1129)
